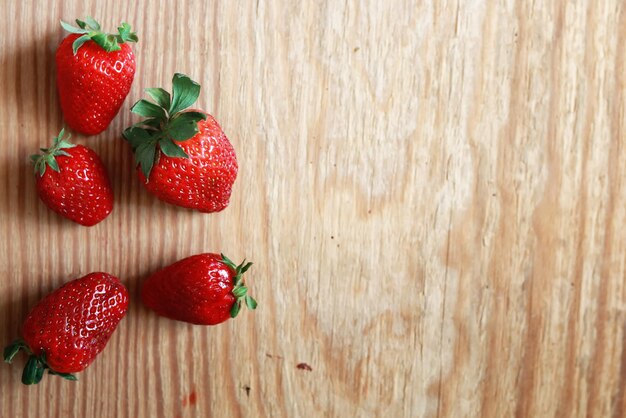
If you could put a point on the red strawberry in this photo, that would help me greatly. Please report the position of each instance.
(184, 157)
(72, 181)
(204, 289)
(94, 73)
(68, 328)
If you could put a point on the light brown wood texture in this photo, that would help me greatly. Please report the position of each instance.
(433, 194)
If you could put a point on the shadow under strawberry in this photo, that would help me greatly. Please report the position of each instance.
(31, 77)
(31, 93)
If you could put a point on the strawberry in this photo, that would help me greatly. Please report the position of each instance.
(68, 328)
(94, 73)
(204, 289)
(184, 158)
(72, 181)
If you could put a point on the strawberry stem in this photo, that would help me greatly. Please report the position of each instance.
(47, 158)
(33, 371)
(12, 349)
(240, 290)
(89, 29)
(35, 365)
(166, 122)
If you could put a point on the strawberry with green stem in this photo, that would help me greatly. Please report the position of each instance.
(68, 328)
(204, 289)
(95, 71)
(72, 181)
(183, 156)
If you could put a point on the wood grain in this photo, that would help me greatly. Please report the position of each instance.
(432, 193)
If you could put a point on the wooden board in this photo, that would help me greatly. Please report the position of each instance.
(433, 194)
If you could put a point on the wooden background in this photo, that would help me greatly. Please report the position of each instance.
(432, 192)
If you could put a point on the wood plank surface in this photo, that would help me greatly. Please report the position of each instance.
(432, 193)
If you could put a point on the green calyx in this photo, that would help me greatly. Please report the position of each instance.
(48, 156)
(89, 29)
(166, 122)
(240, 291)
(35, 365)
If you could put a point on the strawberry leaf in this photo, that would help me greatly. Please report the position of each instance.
(90, 29)
(12, 349)
(196, 116)
(228, 262)
(185, 125)
(35, 365)
(144, 156)
(149, 110)
(245, 268)
(81, 24)
(39, 371)
(136, 136)
(61, 143)
(152, 123)
(33, 371)
(106, 41)
(72, 29)
(186, 92)
(234, 311)
(250, 302)
(79, 42)
(125, 34)
(240, 292)
(165, 124)
(52, 162)
(92, 23)
(61, 152)
(66, 376)
(160, 96)
(170, 149)
(48, 156)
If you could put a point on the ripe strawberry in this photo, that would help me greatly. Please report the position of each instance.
(76, 186)
(68, 328)
(204, 289)
(184, 157)
(94, 73)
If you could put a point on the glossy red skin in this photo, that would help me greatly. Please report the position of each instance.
(203, 181)
(196, 289)
(73, 324)
(81, 191)
(92, 84)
